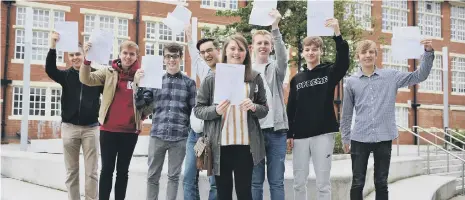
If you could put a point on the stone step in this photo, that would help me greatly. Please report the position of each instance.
(442, 169)
(425, 187)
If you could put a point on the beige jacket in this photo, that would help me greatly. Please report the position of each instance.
(108, 77)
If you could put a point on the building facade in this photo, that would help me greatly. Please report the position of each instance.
(444, 21)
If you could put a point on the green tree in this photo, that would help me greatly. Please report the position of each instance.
(293, 26)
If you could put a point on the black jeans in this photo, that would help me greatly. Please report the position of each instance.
(360, 153)
(237, 159)
(114, 145)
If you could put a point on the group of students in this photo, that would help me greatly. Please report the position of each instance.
(244, 138)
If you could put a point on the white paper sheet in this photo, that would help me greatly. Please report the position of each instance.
(260, 12)
(318, 11)
(176, 25)
(405, 43)
(182, 13)
(68, 36)
(153, 72)
(229, 82)
(102, 43)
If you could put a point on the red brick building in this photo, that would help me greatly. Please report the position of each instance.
(442, 20)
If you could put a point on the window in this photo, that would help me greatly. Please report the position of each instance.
(391, 63)
(361, 11)
(402, 116)
(429, 18)
(394, 14)
(119, 27)
(220, 4)
(458, 75)
(43, 101)
(434, 81)
(55, 102)
(157, 35)
(42, 25)
(457, 20)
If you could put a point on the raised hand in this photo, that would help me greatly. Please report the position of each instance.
(55, 37)
(277, 17)
(428, 44)
(139, 74)
(333, 23)
(247, 104)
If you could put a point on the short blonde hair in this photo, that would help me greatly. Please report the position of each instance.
(364, 45)
(261, 32)
(313, 40)
(129, 44)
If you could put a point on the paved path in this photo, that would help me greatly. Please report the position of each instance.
(13, 189)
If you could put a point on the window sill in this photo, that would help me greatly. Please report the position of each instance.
(458, 41)
(403, 90)
(35, 118)
(430, 91)
(36, 62)
(458, 94)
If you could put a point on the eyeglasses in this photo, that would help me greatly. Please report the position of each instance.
(174, 56)
(209, 50)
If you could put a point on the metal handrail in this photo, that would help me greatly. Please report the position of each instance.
(448, 129)
(442, 149)
(450, 135)
(439, 138)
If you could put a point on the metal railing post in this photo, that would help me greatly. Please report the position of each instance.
(428, 159)
(398, 146)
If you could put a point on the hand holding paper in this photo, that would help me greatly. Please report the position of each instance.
(152, 74)
(428, 44)
(229, 82)
(406, 43)
(54, 37)
(334, 24)
(318, 11)
(68, 32)
(178, 19)
(222, 107)
(261, 11)
(99, 46)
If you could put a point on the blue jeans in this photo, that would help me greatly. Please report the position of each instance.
(275, 146)
(191, 174)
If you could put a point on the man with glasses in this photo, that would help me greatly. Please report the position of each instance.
(170, 123)
(204, 59)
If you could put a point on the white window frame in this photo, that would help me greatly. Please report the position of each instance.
(360, 5)
(49, 86)
(392, 62)
(52, 9)
(390, 9)
(455, 83)
(423, 14)
(454, 20)
(156, 40)
(116, 28)
(402, 114)
(213, 7)
(437, 68)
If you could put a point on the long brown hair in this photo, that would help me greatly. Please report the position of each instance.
(239, 39)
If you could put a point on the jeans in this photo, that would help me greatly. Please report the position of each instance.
(275, 146)
(360, 152)
(320, 149)
(156, 158)
(115, 146)
(191, 174)
(237, 160)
